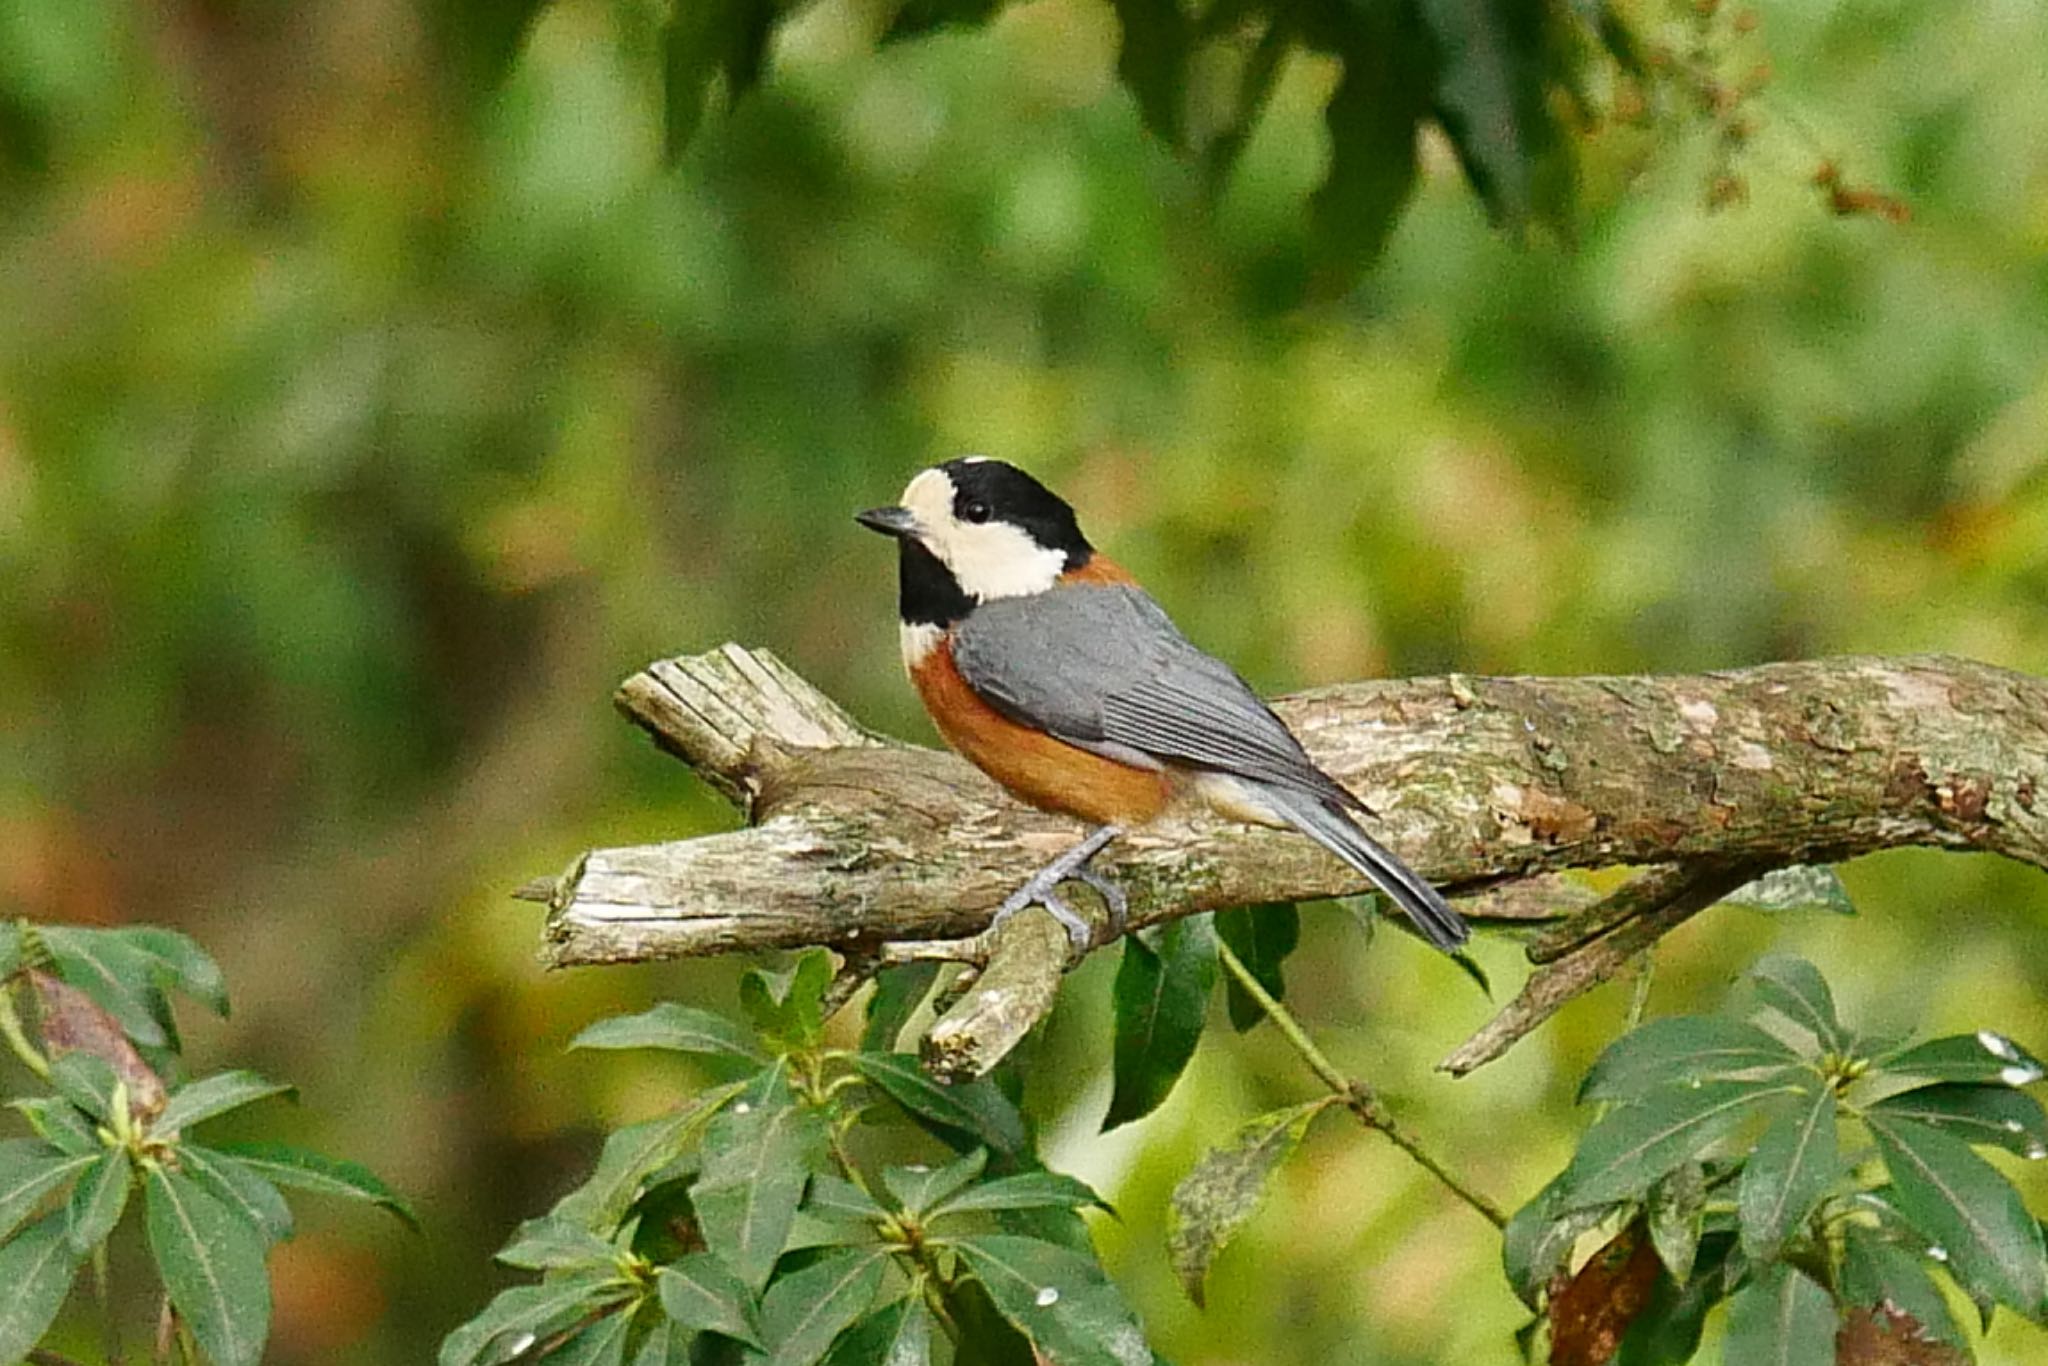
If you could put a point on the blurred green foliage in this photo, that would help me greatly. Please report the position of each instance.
(360, 426)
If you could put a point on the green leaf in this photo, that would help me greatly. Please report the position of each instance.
(298, 1169)
(831, 1195)
(1791, 1168)
(58, 1123)
(994, 1340)
(897, 1334)
(1636, 1144)
(121, 977)
(1262, 937)
(634, 1153)
(86, 1081)
(914, 18)
(1782, 1318)
(1985, 1057)
(181, 963)
(513, 1320)
(1674, 1216)
(1162, 999)
(551, 1242)
(1152, 62)
(1877, 1271)
(668, 1025)
(1986, 1116)
(1802, 887)
(1667, 1331)
(11, 932)
(975, 1110)
(899, 991)
(1538, 1241)
(1795, 989)
(1373, 117)
(36, 1268)
(1224, 1189)
(701, 1293)
(478, 40)
(238, 1187)
(1679, 1050)
(1493, 100)
(812, 1228)
(666, 1344)
(757, 1159)
(1963, 1206)
(214, 1095)
(788, 1007)
(211, 1261)
(805, 1310)
(1026, 1190)
(918, 1188)
(97, 1201)
(601, 1344)
(30, 1170)
(1056, 1297)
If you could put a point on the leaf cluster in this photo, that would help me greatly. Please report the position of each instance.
(1817, 1180)
(741, 1228)
(118, 1120)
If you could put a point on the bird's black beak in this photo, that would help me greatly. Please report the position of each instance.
(898, 522)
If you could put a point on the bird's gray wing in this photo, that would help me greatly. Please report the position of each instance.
(1104, 667)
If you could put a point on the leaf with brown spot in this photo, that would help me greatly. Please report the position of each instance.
(1589, 1317)
(72, 1022)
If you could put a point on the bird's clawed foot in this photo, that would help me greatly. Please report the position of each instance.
(1042, 889)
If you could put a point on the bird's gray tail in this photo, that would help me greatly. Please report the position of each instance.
(1328, 825)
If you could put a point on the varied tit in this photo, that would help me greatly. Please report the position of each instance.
(1046, 665)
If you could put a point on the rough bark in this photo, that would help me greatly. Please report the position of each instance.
(1487, 786)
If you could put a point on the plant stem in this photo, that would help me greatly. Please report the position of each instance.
(1359, 1098)
(17, 1038)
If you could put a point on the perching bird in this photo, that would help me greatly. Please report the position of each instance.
(1045, 664)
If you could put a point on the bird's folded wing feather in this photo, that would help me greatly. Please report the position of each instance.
(1103, 667)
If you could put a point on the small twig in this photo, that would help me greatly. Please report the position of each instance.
(1579, 971)
(1359, 1098)
(1639, 895)
(1013, 993)
(17, 1038)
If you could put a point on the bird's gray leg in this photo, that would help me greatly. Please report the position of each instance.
(1042, 889)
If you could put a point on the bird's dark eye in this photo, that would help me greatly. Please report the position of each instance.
(976, 511)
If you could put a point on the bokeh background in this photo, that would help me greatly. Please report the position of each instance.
(359, 429)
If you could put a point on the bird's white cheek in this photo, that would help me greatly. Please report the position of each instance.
(918, 639)
(998, 561)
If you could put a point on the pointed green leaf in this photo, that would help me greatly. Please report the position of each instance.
(1373, 117)
(1674, 1216)
(1162, 999)
(211, 1262)
(899, 991)
(666, 1344)
(520, 1316)
(1538, 1241)
(58, 1123)
(120, 977)
(974, 1111)
(758, 1154)
(1681, 1049)
(1878, 1271)
(633, 1154)
(181, 963)
(1636, 1144)
(705, 39)
(1225, 1188)
(1493, 100)
(918, 1188)
(30, 1171)
(298, 1169)
(214, 1095)
(1152, 61)
(601, 1344)
(1058, 1298)
(668, 1025)
(788, 1007)
(1963, 1206)
(1262, 937)
(1986, 1116)
(1985, 1057)
(805, 1310)
(815, 1228)
(1802, 887)
(97, 1201)
(831, 1195)
(551, 1242)
(86, 1081)
(1026, 1190)
(36, 1268)
(242, 1190)
(1795, 989)
(975, 1319)
(701, 1293)
(1791, 1168)
(1782, 1318)
(897, 1334)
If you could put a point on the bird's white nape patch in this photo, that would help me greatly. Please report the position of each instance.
(989, 560)
(919, 639)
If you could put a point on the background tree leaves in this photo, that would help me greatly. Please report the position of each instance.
(1161, 1001)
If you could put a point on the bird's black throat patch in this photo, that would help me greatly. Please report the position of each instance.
(928, 594)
